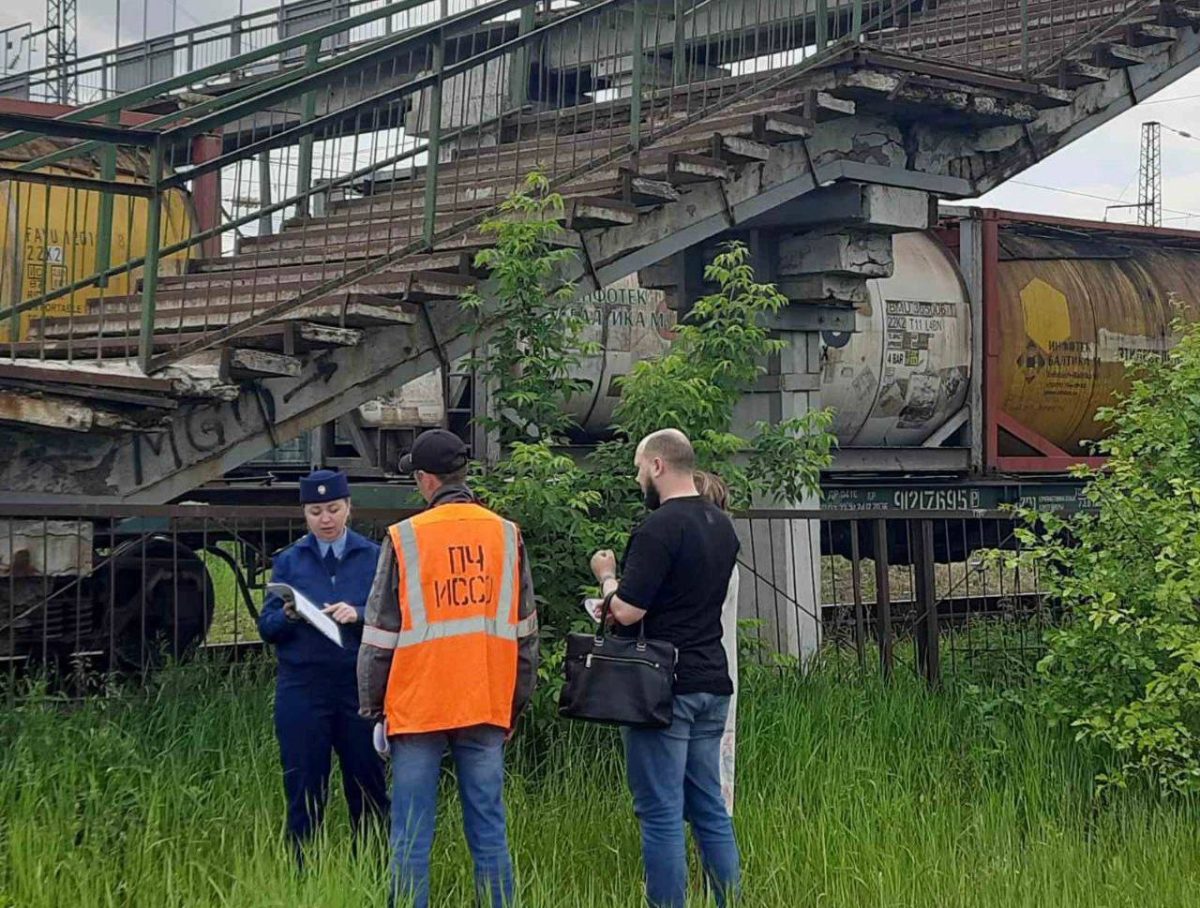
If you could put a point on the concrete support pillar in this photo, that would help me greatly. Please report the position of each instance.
(821, 252)
(821, 255)
(781, 574)
(833, 265)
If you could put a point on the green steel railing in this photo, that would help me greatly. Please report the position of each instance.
(448, 116)
(157, 135)
(97, 76)
(309, 42)
(473, 52)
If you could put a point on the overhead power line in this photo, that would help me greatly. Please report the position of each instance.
(1168, 100)
(1093, 196)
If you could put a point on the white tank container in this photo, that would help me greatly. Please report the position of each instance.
(906, 370)
(900, 376)
(630, 324)
(894, 381)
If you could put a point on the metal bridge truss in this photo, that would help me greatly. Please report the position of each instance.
(192, 337)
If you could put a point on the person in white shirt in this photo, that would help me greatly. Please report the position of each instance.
(714, 489)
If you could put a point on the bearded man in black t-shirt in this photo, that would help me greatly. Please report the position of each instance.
(673, 579)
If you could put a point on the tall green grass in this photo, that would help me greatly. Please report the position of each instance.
(849, 794)
(232, 621)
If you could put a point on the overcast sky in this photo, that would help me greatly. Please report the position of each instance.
(1080, 181)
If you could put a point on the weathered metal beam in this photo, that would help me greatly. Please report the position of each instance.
(1016, 149)
(971, 259)
(104, 395)
(900, 460)
(92, 377)
(60, 414)
(948, 428)
(63, 129)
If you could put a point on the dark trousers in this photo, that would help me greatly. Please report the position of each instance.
(315, 717)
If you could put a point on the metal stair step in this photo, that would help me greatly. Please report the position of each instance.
(450, 262)
(352, 311)
(296, 336)
(416, 286)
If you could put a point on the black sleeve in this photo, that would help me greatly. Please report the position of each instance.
(647, 560)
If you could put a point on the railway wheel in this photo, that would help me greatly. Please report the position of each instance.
(160, 606)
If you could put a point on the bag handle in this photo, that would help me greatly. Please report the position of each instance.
(604, 610)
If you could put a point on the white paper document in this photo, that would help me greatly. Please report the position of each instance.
(593, 607)
(307, 610)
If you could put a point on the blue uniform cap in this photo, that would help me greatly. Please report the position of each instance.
(324, 485)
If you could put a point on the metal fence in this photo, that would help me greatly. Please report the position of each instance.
(942, 594)
(85, 592)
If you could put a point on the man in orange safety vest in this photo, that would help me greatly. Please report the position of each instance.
(449, 659)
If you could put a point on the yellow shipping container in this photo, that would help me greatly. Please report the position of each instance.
(49, 235)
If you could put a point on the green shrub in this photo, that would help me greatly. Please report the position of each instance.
(1124, 669)
(531, 344)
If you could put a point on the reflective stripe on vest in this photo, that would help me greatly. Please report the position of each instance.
(412, 576)
(420, 628)
(382, 639)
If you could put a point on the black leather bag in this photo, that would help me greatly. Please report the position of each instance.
(618, 680)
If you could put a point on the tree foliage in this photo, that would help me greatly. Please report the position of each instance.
(1124, 668)
(719, 353)
(532, 337)
(568, 508)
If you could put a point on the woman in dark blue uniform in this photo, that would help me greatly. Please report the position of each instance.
(316, 698)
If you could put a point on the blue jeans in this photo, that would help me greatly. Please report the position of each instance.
(674, 774)
(416, 764)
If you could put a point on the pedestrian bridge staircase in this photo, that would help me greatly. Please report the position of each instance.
(148, 369)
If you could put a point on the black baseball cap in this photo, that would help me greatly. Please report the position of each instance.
(436, 451)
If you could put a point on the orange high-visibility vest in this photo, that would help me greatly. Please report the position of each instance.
(455, 659)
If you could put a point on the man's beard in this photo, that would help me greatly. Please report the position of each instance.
(651, 498)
